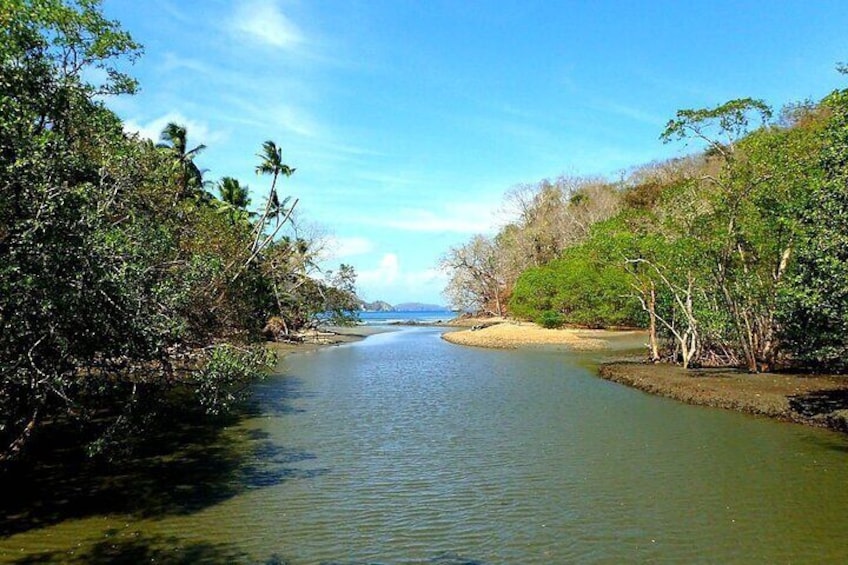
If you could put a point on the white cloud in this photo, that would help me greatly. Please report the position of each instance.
(295, 120)
(198, 132)
(173, 62)
(384, 275)
(175, 12)
(426, 278)
(264, 21)
(389, 281)
(265, 114)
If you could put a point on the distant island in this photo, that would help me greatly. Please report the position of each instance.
(419, 307)
(381, 306)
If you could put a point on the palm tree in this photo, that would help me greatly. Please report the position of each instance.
(234, 200)
(233, 193)
(189, 177)
(271, 164)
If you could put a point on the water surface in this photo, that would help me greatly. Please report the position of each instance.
(406, 449)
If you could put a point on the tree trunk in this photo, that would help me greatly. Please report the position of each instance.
(653, 342)
(14, 449)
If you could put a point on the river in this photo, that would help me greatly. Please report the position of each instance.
(403, 448)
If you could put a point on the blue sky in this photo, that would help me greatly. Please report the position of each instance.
(407, 121)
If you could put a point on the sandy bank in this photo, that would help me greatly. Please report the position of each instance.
(511, 335)
(470, 321)
(820, 401)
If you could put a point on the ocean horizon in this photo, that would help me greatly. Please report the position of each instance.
(401, 316)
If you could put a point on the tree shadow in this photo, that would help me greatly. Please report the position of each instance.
(819, 402)
(121, 548)
(167, 550)
(188, 462)
(837, 444)
(275, 396)
(828, 408)
(447, 558)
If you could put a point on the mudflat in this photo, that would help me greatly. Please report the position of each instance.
(816, 400)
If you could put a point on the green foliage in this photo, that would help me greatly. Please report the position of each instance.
(730, 120)
(221, 382)
(61, 307)
(272, 161)
(341, 305)
(585, 287)
(736, 258)
(186, 174)
(550, 319)
(59, 38)
(814, 304)
(234, 200)
(120, 278)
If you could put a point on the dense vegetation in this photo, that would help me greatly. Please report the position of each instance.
(122, 276)
(733, 256)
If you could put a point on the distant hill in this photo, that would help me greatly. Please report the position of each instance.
(376, 306)
(382, 306)
(419, 307)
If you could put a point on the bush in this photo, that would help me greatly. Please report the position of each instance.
(582, 288)
(550, 319)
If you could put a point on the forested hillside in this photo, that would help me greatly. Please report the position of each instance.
(124, 271)
(736, 255)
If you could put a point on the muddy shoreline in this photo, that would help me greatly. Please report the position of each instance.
(324, 337)
(813, 400)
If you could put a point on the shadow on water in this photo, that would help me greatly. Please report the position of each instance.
(829, 443)
(187, 463)
(150, 549)
(120, 549)
(441, 559)
(276, 397)
(454, 559)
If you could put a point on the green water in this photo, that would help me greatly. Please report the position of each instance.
(405, 449)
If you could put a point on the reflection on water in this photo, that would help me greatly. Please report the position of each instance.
(406, 449)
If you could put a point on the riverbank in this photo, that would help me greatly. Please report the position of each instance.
(324, 337)
(498, 333)
(813, 400)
